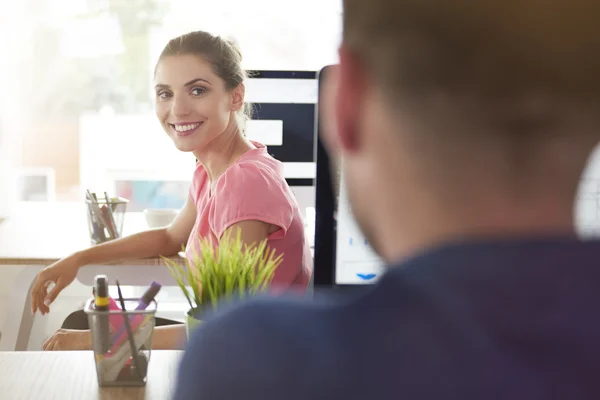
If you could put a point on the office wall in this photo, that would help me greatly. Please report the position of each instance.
(54, 144)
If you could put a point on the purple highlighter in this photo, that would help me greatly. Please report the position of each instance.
(149, 296)
(145, 301)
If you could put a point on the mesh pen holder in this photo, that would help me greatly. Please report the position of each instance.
(119, 362)
(105, 219)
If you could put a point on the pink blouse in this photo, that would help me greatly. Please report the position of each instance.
(254, 188)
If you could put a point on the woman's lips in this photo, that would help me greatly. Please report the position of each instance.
(185, 129)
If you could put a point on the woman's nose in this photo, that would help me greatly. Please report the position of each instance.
(180, 106)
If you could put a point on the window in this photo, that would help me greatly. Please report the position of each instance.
(80, 87)
(92, 63)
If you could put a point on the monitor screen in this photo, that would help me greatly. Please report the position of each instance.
(284, 119)
(343, 256)
(355, 260)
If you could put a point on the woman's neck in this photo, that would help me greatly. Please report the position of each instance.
(222, 153)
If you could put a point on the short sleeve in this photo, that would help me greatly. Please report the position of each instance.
(252, 191)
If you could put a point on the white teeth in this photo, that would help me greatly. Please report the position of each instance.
(184, 128)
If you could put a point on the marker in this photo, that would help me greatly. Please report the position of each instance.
(116, 322)
(139, 361)
(137, 320)
(101, 303)
(111, 217)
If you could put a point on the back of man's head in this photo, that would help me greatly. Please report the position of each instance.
(493, 49)
(500, 95)
(510, 64)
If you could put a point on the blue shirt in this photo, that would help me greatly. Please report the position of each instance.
(499, 320)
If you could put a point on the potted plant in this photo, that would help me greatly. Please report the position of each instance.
(230, 270)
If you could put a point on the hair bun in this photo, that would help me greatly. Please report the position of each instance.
(234, 45)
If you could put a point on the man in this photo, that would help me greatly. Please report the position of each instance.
(464, 127)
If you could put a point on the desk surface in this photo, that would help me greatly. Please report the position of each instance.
(42, 233)
(66, 375)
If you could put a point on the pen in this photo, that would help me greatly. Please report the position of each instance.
(111, 216)
(98, 213)
(137, 361)
(107, 217)
(116, 322)
(101, 303)
(137, 320)
(93, 219)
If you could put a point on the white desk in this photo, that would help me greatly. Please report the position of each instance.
(38, 234)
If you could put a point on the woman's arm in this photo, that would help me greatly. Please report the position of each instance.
(164, 241)
(252, 231)
(151, 243)
(164, 337)
(173, 337)
(169, 337)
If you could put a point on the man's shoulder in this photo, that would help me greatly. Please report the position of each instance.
(272, 342)
(267, 321)
(270, 348)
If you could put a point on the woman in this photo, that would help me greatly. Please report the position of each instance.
(199, 101)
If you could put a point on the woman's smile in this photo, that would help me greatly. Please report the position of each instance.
(185, 129)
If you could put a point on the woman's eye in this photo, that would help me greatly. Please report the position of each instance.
(163, 95)
(198, 91)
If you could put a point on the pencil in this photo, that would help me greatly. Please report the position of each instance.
(129, 334)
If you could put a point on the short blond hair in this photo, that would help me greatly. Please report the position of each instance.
(495, 51)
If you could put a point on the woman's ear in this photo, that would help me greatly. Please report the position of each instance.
(237, 98)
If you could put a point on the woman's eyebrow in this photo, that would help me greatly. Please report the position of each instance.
(190, 83)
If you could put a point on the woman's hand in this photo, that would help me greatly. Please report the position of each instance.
(51, 281)
(169, 337)
(69, 339)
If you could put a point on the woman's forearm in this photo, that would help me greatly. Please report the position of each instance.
(169, 337)
(151, 243)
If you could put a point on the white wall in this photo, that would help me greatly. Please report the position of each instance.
(9, 108)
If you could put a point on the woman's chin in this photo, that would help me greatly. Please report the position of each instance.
(184, 145)
(185, 149)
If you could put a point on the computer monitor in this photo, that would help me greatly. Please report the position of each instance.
(284, 120)
(343, 256)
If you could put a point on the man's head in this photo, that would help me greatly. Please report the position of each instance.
(466, 117)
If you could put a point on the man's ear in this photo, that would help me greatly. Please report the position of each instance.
(350, 91)
(327, 123)
(237, 98)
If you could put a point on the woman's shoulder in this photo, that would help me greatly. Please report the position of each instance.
(260, 157)
(252, 189)
(258, 168)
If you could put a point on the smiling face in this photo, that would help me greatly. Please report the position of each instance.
(192, 102)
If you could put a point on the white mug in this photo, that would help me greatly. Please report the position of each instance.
(159, 217)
